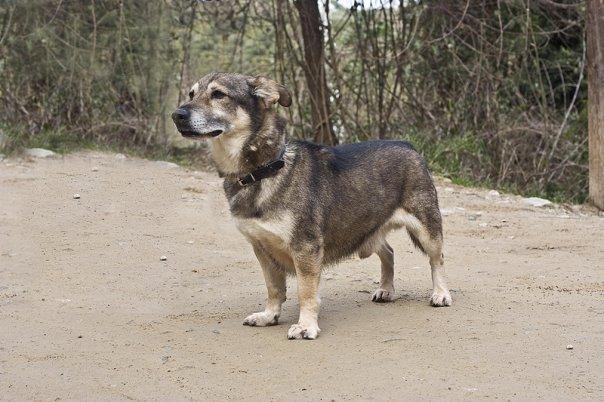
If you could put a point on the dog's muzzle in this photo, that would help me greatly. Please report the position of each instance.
(191, 124)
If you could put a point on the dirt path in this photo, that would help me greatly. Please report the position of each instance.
(88, 310)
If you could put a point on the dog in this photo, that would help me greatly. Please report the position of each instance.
(304, 206)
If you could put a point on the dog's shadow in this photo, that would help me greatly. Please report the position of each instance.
(355, 308)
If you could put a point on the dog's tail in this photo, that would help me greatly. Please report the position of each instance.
(416, 241)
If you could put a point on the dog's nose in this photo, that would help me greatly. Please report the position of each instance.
(181, 114)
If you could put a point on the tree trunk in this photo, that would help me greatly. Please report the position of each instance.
(185, 68)
(314, 70)
(595, 73)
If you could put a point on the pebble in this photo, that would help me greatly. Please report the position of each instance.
(76, 196)
(120, 156)
(493, 193)
(474, 216)
(190, 242)
(166, 165)
(38, 153)
(446, 211)
(163, 258)
(95, 169)
(536, 202)
(483, 224)
(569, 347)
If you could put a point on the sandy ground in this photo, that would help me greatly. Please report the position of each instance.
(88, 310)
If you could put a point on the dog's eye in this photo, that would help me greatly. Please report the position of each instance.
(191, 95)
(218, 94)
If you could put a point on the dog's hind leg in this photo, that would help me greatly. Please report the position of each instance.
(426, 234)
(385, 293)
(274, 276)
(440, 293)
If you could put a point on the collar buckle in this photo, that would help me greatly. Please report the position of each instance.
(245, 180)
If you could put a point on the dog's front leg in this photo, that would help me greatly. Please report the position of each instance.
(308, 274)
(274, 276)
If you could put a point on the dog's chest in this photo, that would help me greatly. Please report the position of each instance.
(274, 232)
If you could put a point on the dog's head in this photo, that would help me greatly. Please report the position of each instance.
(225, 104)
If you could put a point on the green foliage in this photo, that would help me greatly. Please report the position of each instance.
(491, 92)
(57, 140)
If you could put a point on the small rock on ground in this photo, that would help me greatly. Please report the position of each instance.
(38, 153)
(537, 202)
(165, 164)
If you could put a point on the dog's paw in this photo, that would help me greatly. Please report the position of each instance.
(383, 296)
(299, 331)
(441, 298)
(261, 319)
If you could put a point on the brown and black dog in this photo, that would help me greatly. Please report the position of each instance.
(304, 206)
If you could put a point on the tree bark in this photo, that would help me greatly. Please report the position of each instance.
(314, 70)
(595, 73)
(185, 69)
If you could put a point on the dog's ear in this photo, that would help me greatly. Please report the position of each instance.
(270, 91)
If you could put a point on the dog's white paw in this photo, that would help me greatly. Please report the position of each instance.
(383, 296)
(261, 319)
(299, 331)
(441, 298)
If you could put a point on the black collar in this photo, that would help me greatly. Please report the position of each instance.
(262, 172)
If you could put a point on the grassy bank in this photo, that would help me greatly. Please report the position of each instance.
(64, 141)
(457, 159)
